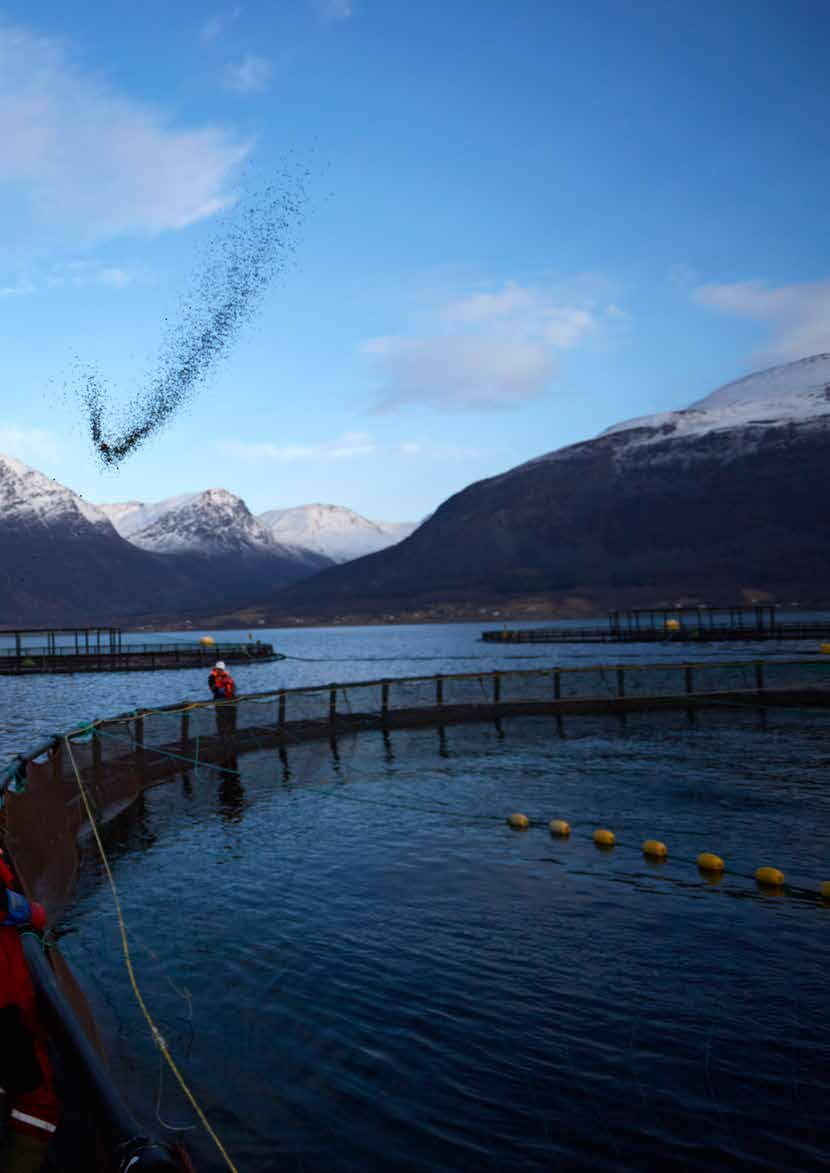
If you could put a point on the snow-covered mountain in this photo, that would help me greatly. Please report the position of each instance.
(129, 517)
(217, 521)
(28, 497)
(333, 531)
(64, 561)
(213, 522)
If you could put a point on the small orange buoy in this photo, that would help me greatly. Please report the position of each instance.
(708, 862)
(560, 828)
(604, 838)
(654, 849)
(825, 890)
(770, 878)
(518, 821)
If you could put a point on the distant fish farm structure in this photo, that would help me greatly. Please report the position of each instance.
(32, 651)
(676, 624)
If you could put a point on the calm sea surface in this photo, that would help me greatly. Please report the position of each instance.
(359, 966)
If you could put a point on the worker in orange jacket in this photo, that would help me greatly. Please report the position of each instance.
(221, 685)
(25, 1070)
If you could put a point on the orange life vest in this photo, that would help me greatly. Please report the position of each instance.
(221, 684)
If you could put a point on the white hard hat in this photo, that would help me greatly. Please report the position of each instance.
(220, 664)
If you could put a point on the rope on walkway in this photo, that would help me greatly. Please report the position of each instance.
(158, 1038)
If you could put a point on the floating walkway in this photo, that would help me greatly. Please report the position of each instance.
(120, 755)
(103, 649)
(675, 625)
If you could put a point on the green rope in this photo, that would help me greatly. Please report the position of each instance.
(166, 753)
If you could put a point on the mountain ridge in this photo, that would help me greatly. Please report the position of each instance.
(712, 502)
(333, 530)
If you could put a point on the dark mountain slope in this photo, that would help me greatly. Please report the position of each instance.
(703, 503)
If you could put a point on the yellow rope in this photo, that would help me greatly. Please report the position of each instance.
(157, 1036)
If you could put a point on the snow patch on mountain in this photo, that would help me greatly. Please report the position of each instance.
(775, 383)
(213, 522)
(333, 531)
(129, 517)
(30, 497)
(796, 392)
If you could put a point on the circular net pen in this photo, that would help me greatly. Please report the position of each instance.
(413, 919)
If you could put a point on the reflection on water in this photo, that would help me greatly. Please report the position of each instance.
(366, 969)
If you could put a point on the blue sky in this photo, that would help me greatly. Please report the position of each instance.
(527, 222)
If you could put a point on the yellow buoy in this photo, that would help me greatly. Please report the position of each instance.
(708, 862)
(770, 877)
(654, 849)
(518, 821)
(825, 648)
(672, 625)
(825, 890)
(207, 640)
(560, 827)
(604, 838)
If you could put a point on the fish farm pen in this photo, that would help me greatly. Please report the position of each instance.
(52, 795)
(677, 625)
(104, 649)
(145, 746)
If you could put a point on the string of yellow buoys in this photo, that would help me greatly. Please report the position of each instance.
(708, 863)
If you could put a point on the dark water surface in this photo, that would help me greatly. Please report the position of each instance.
(361, 967)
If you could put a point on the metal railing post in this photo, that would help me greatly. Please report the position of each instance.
(185, 738)
(384, 701)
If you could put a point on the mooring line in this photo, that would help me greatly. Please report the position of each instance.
(157, 1037)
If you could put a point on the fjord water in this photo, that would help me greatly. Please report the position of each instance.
(360, 966)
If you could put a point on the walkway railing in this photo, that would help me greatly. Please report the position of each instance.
(175, 732)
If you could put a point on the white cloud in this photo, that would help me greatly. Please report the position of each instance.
(79, 274)
(95, 162)
(491, 349)
(348, 446)
(29, 444)
(460, 371)
(20, 290)
(251, 75)
(796, 316)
